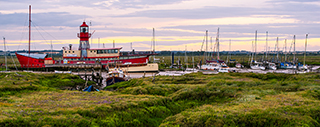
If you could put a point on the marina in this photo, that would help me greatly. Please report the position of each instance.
(160, 63)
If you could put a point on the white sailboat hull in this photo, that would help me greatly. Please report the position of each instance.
(255, 67)
(208, 67)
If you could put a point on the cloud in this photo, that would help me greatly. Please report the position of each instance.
(200, 13)
(125, 4)
(41, 19)
(302, 11)
(107, 4)
(280, 29)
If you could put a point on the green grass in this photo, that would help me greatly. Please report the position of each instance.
(228, 99)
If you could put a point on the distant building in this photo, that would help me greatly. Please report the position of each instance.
(51, 52)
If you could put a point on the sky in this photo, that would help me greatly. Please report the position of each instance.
(179, 24)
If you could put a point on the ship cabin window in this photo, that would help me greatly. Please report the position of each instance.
(72, 51)
(69, 51)
(65, 51)
(106, 51)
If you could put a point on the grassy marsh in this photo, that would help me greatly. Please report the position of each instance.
(229, 99)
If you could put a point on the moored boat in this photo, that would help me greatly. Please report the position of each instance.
(272, 66)
(210, 66)
(224, 69)
(287, 65)
(115, 76)
(238, 65)
(85, 55)
(31, 60)
(257, 66)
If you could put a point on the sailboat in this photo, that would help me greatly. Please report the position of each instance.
(270, 65)
(210, 65)
(304, 66)
(217, 65)
(256, 65)
(290, 65)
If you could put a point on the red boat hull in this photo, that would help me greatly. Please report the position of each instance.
(29, 62)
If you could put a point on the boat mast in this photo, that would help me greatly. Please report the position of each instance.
(218, 45)
(206, 53)
(294, 48)
(5, 52)
(29, 27)
(255, 48)
(267, 45)
(229, 51)
(285, 50)
(277, 49)
(305, 51)
(252, 51)
(154, 44)
(185, 57)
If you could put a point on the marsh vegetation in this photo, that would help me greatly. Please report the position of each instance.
(229, 99)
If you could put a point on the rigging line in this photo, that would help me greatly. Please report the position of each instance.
(46, 32)
(14, 63)
(202, 42)
(39, 33)
(291, 46)
(23, 29)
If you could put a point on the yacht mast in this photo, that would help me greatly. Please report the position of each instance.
(255, 48)
(285, 50)
(206, 53)
(5, 52)
(252, 51)
(267, 45)
(154, 44)
(185, 57)
(211, 51)
(305, 51)
(277, 49)
(294, 48)
(229, 51)
(218, 45)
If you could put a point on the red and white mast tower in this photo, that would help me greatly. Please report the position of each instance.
(84, 36)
